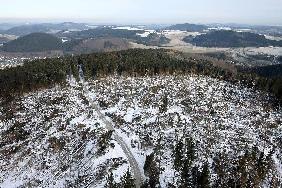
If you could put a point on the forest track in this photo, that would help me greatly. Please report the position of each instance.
(137, 175)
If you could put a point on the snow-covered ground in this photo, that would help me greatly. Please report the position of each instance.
(277, 51)
(146, 33)
(6, 62)
(54, 138)
(128, 28)
(220, 117)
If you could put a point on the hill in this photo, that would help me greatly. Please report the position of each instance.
(226, 39)
(100, 32)
(35, 42)
(97, 45)
(44, 28)
(149, 115)
(154, 39)
(44, 73)
(188, 27)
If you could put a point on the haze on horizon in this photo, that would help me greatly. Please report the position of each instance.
(258, 12)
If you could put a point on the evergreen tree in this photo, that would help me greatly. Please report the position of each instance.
(110, 181)
(203, 179)
(188, 174)
(190, 150)
(148, 162)
(164, 104)
(178, 155)
(151, 170)
(127, 181)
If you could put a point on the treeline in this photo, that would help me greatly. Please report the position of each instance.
(47, 72)
(134, 62)
(267, 78)
(269, 71)
(31, 76)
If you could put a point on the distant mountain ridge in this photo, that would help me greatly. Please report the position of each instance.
(44, 28)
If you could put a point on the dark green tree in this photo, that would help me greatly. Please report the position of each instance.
(203, 179)
(111, 182)
(178, 155)
(127, 181)
(151, 170)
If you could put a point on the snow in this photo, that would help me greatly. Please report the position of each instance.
(146, 33)
(61, 115)
(219, 116)
(64, 40)
(220, 28)
(128, 28)
(240, 114)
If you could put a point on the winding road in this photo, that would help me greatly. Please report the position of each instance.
(137, 175)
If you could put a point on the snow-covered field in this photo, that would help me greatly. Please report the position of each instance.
(277, 51)
(54, 138)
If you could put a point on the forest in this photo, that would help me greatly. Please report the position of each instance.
(188, 27)
(102, 32)
(134, 62)
(35, 42)
(226, 39)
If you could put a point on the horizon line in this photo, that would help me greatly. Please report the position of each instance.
(4, 20)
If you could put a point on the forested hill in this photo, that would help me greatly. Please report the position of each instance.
(26, 29)
(188, 27)
(226, 39)
(47, 72)
(153, 39)
(35, 42)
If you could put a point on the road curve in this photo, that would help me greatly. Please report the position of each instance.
(109, 125)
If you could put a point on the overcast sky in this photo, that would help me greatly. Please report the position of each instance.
(145, 11)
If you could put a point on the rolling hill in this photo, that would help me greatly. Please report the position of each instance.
(44, 28)
(35, 42)
(188, 27)
(99, 45)
(226, 39)
(154, 39)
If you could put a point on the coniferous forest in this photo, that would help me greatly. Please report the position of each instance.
(149, 67)
(48, 72)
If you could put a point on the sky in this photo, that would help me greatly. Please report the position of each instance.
(268, 12)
